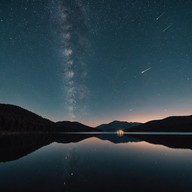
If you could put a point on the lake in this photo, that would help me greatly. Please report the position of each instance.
(95, 163)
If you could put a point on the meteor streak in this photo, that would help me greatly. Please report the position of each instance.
(160, 16)
(142, 72)
(167, 28)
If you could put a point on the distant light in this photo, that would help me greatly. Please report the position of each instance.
(120, 133)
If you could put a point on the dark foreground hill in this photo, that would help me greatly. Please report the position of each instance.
(169, 124)
(17, 119)
(117, 125)
(14, 118)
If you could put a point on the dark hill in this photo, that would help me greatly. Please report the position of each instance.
(169, 124)
(14, 118)
(17, 119)
(116, 125)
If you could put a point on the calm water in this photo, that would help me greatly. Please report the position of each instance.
(85, 163)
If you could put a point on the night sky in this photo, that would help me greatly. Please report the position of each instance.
(97, 61)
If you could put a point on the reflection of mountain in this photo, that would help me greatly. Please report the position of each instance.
(16, 119)
(114, 138)
(71, 138)
(170, 124)
(172, 141)
(13, 147)
(116, 125)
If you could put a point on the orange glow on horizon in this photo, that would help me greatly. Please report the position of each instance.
(141, 118)
(138, 118)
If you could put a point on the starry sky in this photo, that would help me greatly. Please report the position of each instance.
(97, 61)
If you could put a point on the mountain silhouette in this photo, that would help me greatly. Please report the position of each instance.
(68, 126)
(17, 119)
(14, 118)
(169, 124)
(117, 125)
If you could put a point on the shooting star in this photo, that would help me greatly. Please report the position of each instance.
(167, 28)
(142, 72)
(160, 16)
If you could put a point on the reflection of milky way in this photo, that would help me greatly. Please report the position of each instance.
(73, 35)
(70, 164)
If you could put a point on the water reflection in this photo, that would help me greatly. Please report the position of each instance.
(172, 141)
(13, 147)
(93, 163)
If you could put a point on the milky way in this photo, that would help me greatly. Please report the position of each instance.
(73, 32)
